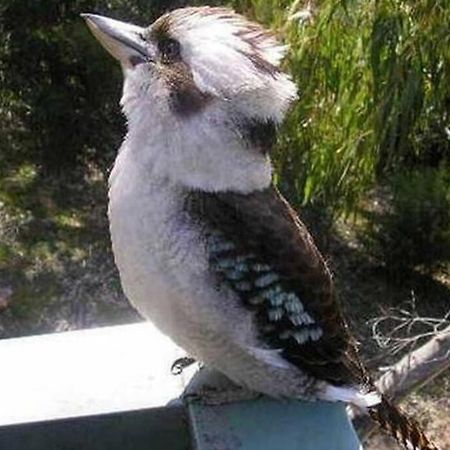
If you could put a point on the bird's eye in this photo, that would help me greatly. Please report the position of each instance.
(170, 49)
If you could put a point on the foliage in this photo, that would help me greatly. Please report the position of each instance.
(59, 91)
(373, 79)
(59, 123)
(415, 228)
(374, 84)
(374, 99)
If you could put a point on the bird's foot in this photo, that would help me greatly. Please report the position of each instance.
(180, 364)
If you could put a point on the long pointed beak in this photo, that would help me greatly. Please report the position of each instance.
(123, 40)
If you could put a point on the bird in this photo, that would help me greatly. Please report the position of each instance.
(207, 247)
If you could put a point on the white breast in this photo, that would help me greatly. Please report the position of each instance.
(162, 261)
(142, 213)
(164, 272)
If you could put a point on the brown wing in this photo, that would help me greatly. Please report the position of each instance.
(259, 247)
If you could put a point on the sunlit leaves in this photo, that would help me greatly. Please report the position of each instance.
(374, 83)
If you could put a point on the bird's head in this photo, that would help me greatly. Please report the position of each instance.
(205, 83)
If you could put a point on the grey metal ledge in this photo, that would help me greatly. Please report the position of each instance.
(155, 429)
(108, 389)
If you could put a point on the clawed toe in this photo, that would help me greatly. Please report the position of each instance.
(180, 364)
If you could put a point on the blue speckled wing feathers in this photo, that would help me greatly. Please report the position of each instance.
(258, 247)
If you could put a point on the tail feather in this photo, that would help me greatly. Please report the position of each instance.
(404, 429)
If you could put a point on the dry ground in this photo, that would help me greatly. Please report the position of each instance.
(368, 292)
(431, 410)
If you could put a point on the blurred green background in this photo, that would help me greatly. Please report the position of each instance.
(364, 156)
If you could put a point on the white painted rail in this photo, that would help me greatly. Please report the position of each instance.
(103, 389)
(87, 372)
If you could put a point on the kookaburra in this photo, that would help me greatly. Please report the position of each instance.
(206, 246)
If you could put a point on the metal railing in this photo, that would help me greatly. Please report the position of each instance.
(111, 388)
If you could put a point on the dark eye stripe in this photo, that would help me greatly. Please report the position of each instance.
(169, 49)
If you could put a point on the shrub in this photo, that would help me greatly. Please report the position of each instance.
(374, 85)
(413, 230)
(59, 90)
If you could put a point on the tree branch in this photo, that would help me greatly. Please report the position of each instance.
(414, 370)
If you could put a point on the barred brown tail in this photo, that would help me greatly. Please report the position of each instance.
(405, 430)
